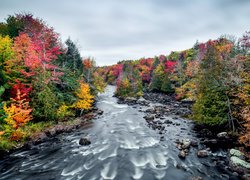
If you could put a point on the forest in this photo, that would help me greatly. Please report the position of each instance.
(214, 76)
(42, 80)
(47, 88)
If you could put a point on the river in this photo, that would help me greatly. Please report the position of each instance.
(123, 147)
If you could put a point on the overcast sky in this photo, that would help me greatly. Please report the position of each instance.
(113, 30)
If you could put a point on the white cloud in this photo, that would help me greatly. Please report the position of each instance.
(114, 30)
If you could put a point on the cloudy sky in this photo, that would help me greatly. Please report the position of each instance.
(113, 30)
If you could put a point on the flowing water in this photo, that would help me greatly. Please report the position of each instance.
(123, 147)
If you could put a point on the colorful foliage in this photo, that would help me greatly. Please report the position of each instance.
(19, 111)
(85, 99)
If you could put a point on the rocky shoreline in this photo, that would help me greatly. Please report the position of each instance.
(236, 164)
(62, 127)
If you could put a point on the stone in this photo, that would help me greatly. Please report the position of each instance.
(149, 117)
(130, 99)
(84, 141)
(182, 155)
(168, 122)
(194, 143)
(99, 112)
(239, 162)
(185, 143)
(235, 152)
(246, 177)
(202, 153)
(196, 178)
(222, 135)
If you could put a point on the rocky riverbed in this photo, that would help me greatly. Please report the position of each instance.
(143, 140)
(207, 141)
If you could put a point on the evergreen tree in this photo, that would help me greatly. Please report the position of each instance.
(211, 105)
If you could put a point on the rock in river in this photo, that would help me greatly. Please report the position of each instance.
(149, 117)
(202, 153)
(84, 142)
(182, 154)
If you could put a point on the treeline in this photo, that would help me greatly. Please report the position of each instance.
(41, 79)
(214, 75)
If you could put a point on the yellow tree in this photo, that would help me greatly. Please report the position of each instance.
(85, 99)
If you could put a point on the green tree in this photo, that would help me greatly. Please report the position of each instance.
(211, 104)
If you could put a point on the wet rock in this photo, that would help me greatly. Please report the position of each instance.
(246, 177)
(40, 137)
(51, 132)
(206, 132)
(149, 117)
(168, 122)
(59, 129)
(182, 154)
(142, 102)
(237, 153)
(239, 162)
(222, 135)
(210, 142)
(194, 143)
(202, 153)
(84, 142)
(187, 101)
(99, 112)
(185, 143)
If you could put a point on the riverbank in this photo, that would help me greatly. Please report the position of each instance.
(208, 140)
(37, 133)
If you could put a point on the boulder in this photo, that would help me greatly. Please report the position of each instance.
(202, 153)
(194, 143)
(222, 135)
(182, 154)
(168, 122)
(185, 143)
(84, 141)
(99, 112)
(130, 100)
(235, 152)
(239, 162)
(149, 117)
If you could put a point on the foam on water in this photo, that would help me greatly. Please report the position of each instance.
(108, 153)
(71, 172)
(107, 172)
(138, 173)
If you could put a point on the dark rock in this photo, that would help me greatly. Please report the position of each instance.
(210, 142)
(246, 177)
(99, 112)
(51, 132)
(202, 153)
(194, 143)
(59, 129)
(168, 122)
(40, 137)
(84, 142)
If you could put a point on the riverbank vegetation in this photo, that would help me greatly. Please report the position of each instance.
(214, 75)
(42, 80)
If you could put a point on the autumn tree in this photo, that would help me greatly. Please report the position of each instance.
(85, 99)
